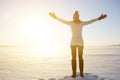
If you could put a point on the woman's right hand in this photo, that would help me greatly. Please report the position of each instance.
(52, 14)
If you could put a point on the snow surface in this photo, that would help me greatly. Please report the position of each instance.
(87, 76)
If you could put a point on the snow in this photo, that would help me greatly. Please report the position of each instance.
(87, 76)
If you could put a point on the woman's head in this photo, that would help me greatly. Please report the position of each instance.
(76, 16)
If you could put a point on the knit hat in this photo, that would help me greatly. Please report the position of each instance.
(76, 15)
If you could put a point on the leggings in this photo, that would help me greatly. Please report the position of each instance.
(81, 61)
(80, 52)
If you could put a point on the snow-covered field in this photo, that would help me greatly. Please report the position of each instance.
(15, 64)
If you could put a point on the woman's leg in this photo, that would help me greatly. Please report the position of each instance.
(81, 61)
(73, 61)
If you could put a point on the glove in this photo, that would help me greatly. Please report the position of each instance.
(102, 16)
(52, 15)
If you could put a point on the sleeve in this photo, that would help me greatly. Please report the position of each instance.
(63, 21)
(90, 21)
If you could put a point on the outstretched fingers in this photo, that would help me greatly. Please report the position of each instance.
(52, 14)
(102, 16)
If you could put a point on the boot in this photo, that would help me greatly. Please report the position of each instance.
(81, 67)
(73, 68)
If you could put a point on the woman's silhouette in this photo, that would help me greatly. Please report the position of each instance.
(76, 26)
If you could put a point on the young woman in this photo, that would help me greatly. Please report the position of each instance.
(76, 26)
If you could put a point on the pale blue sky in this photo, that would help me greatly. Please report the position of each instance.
(20, 19)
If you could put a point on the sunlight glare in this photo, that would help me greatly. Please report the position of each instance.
(39, 33)
(44, 51)
(36, 31)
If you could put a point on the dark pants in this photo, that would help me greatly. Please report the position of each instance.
(74, 50)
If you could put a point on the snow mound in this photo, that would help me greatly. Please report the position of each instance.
(87, 76)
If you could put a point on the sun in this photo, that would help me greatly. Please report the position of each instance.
(31, 28)
(36, 31)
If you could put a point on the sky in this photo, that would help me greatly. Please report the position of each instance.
(27, 22)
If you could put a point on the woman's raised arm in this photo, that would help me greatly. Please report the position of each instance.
(59, 19)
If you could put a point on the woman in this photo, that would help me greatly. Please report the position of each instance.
(76, 26)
